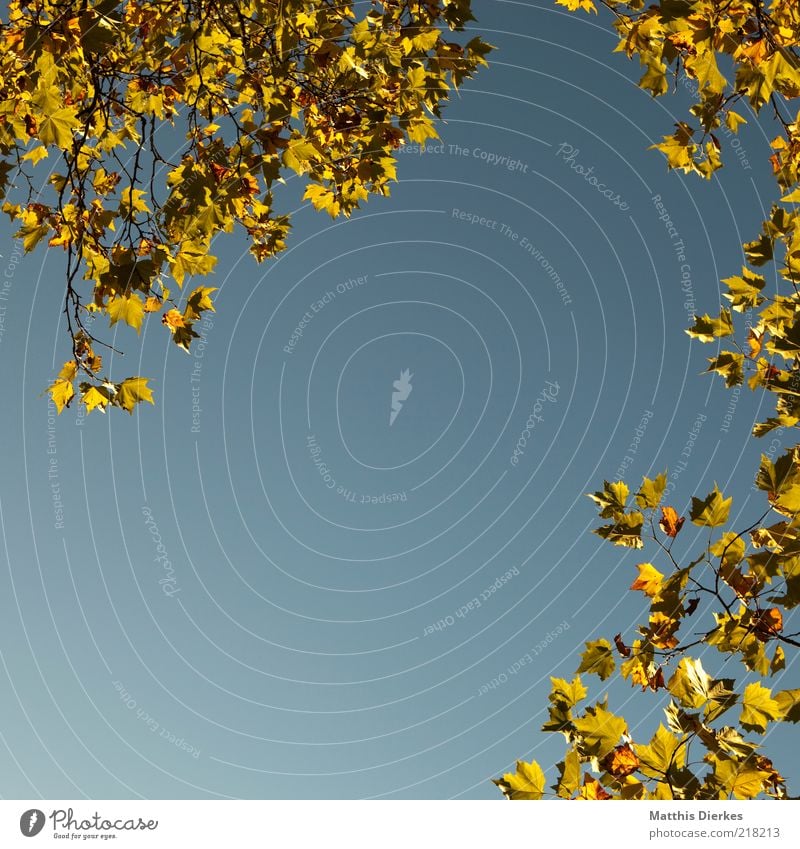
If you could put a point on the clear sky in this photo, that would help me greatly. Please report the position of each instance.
(306, 574)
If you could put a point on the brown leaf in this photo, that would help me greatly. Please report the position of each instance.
(621, 761)
(768, 624)
(592, 789)
(621, 647)
(670, 522)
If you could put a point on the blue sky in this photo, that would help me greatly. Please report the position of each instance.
(260, 587)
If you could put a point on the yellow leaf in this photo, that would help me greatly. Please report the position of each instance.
(36, 154)
(133, 391)
(192, 258)
(199, 301)
(94, 397)
(68, 371)
(61, 391)
(56, 128)
(152, 304)
(127, 308)
(173, 320)
(574, 5)
(527, 783)
(758, 708)
(649, 580)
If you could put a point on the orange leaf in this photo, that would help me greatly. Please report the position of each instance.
(649, 580)
(173, 320)
(592, 789)
(152, 304)
(621, 761)
(768, 624)
(670, 522)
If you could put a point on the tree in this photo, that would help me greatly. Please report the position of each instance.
(744, 582)
(257, 88)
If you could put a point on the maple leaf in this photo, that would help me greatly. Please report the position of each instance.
(127, 308)
(670, 522)
(592, 790)
(598, 659)
(173, 319)
(527, 783)
(649, 580)
(621, 761)
(768, 623)
(133, 391)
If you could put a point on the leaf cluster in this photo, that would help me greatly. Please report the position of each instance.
(257, 89)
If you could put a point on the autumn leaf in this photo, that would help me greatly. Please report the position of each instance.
(758, 708)
(574, 5)
(592, 789)
(57, 128)
(707, 329)
(611, 499)
(95, 397)
(127, 308)
(526, 783)
(670, 522)
(173, 319)
(599, 730)
(690, 683)
(768, 623)
(649, 580)
(133, 391)
(598, 659)
(651, 491)
(624, 650)
(199, 301)
(711, 511)
(621, 761)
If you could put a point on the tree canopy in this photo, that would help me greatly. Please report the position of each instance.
(246, 91)
(745, 583)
